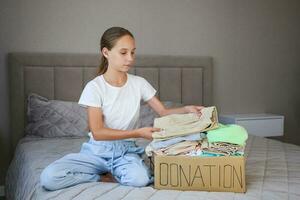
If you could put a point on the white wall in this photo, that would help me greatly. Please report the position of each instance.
(255, 44)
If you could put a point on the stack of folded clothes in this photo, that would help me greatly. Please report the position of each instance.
(191, 135)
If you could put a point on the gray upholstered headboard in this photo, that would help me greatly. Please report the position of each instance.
(187, 80)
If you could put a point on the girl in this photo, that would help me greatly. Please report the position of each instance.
(112, 100)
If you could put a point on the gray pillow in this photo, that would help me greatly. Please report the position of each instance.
(55, 118)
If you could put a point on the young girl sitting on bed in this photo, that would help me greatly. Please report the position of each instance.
(112, 100)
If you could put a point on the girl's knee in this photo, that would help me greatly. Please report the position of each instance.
(141, 181)
(56, 176)
(48, 179)
(136, 178)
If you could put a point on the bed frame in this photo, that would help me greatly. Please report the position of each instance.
(187, 80)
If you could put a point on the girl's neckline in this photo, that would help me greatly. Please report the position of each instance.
(116, 87)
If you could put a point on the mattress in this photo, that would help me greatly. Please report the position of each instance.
(272, 172)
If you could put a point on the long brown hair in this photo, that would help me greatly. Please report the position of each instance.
(108, 40)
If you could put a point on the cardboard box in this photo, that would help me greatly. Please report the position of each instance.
(200, 173)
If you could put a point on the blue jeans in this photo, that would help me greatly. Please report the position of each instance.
(121, 158)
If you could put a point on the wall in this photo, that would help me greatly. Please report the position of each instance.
(255, 45)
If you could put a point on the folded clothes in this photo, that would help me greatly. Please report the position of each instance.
(222, 149)
(206, 149)
(202, 148)
(202, 153)
(181, 148)
(183, 124)
(159, 144)
(230, 133)
(182, 134)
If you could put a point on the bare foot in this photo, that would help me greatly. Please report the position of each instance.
(107, 177)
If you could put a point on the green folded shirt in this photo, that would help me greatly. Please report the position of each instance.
(230, 133)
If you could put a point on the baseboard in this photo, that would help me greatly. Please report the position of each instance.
(2, 193)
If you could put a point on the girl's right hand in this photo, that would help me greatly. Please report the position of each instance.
(147, 132)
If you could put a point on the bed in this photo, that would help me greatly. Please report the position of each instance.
(272, 167)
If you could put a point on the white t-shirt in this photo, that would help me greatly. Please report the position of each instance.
(120, 105)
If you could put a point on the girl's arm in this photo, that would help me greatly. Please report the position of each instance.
(96, 126)
(160, 109)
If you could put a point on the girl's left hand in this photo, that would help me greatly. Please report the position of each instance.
(194, 109)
